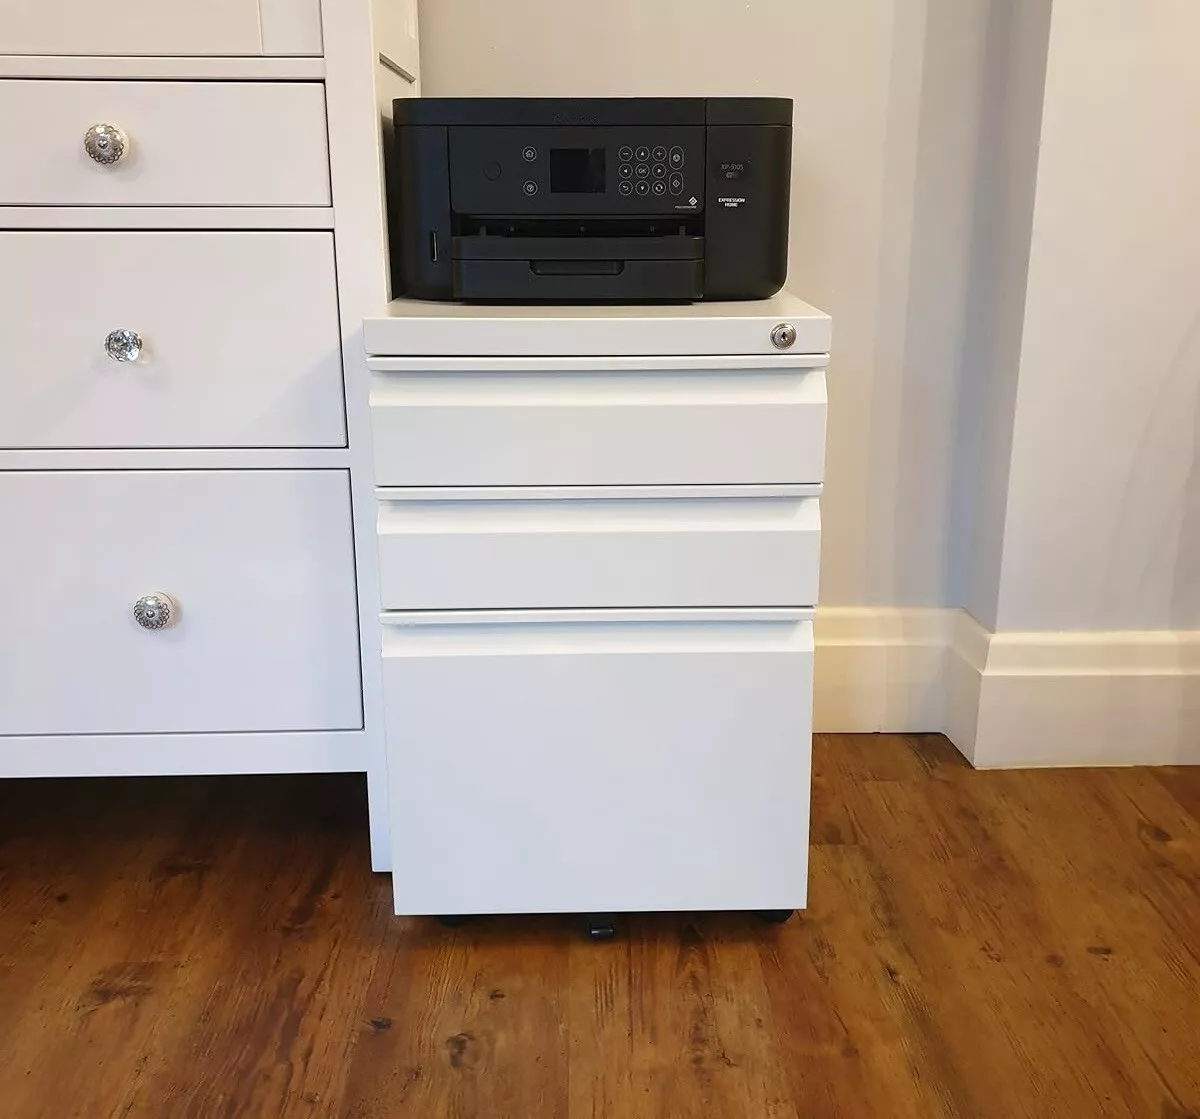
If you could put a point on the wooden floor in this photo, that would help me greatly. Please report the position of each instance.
(978, 945)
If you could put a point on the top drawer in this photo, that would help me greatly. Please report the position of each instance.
(161, 27)
(616, 421)
(188, 144)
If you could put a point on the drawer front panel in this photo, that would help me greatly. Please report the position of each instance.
(239, 332)
(189, 144)
(599, 767)
(259, 563)
(581, 425)
(618, 551)
(161, 27)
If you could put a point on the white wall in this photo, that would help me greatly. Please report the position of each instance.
(927, 286)
(881, 216)
(965, 407)
(1008, 132)
(1082, 506)
(1103, 505)
(996, 199)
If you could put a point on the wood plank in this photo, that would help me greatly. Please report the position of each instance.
(1129, 931)
(673, 1023)
(977, 945)
(838, 977)
(95, 999)
(1183, 783)
(465, 1022)
(994, 997)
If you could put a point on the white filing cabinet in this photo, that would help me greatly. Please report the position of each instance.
(191, 231)
(599, 535)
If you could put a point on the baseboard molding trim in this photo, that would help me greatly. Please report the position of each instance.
(1011, 699)
(880, 669)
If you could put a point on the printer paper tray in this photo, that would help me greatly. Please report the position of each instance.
(574, 269)
(493, 247)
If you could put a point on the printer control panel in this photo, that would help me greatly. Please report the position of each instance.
(578, 171)
(656, 170)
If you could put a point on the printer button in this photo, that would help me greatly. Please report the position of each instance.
(492, 171)
(625, 170)
(643, 187)
(625, 153)
(643, 154)
(530, 187)
(529, 154)
(643, 171)
(659, 171)
(660, 153)
(676, 183)
(626, 188)
(660, 188)
(676, 157)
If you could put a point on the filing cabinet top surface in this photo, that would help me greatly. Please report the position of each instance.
(411, 327)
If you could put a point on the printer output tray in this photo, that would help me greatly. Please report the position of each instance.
(496, 267)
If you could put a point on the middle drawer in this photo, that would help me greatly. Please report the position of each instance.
(528, 547)
(233, 340)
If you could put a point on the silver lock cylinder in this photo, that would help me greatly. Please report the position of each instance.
(783, 336)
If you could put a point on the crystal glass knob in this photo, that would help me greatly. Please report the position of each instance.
(123, 345)
(155, 611)
(106, 144)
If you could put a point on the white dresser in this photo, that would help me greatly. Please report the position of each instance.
(599, 535)
(191, 231)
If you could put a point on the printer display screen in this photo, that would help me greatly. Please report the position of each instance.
(576, 170)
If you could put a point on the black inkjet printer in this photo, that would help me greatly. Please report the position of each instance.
(639, 199)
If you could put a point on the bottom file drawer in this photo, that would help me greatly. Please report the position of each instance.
(529, 547)
(578, 761)
(259, 564)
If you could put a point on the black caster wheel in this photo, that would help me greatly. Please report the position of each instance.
(451, 920)
(774, 916)
(601, 928)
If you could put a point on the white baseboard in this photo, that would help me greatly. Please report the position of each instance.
(1011, 699)
(879, 669)
(1126, 697)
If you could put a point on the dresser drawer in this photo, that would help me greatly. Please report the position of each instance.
(161, 27)
(240, 343)
(487, 548)
(260, 565)
(598, 421)
(602, 762)
(186, 144)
